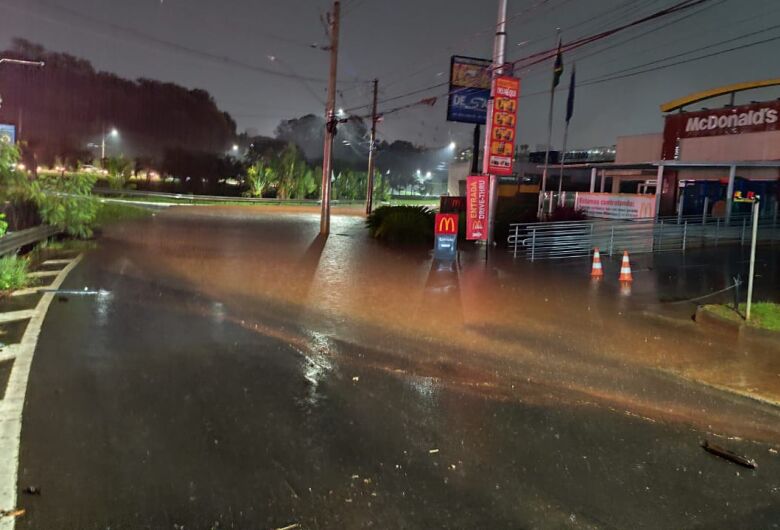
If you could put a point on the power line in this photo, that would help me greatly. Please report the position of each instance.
(620, 74)
(539, 57)
(111, 30)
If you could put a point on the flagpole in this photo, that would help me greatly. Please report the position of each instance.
(563, 158)
(547, 153)
(549, 135)
(569, 114)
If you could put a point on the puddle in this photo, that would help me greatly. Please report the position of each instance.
(12, 332)
(5, 375)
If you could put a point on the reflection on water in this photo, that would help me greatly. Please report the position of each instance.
(317, 365)
(544, 321)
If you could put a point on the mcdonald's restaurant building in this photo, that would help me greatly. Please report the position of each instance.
(703, 156)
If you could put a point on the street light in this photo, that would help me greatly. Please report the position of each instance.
(114, 134)
(20, 61)
(452, 146)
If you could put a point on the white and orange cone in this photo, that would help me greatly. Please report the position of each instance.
(597, 271)
(625, 270)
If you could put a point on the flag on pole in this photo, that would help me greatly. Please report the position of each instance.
(558, 68)
(570, 102)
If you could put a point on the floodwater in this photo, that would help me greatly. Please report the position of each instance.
(543, 325)
(242, 372)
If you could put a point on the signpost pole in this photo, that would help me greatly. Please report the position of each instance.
(752, 259)
(499, 52)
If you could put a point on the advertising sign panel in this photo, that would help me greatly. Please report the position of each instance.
(622, 206)
(7, 133)
(503, 126)
(477, 188)
(452, 204)
(754, 117)
(446, 229)
(446, 223)
(469, 90)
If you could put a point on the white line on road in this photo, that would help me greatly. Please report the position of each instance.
(42, 274)
(25, 292)
(12, 406)
(13, 316)
(57, 261)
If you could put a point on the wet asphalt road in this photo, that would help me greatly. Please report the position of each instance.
(237, 376)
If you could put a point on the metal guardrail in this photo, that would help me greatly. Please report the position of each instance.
(13, 241)
(575, 239)
(194, 199)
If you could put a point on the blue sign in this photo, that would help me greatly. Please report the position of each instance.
(446, 247)
(468, 105)
(7, 133)
(470, 81)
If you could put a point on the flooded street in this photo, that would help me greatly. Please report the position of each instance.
(243, 372)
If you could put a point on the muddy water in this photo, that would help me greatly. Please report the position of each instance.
(514, 331)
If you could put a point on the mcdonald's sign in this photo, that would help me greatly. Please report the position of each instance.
(446, 224)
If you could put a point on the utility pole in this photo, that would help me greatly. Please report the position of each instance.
(330, 118)
(475, 154)
(499, 51)
(372, 152)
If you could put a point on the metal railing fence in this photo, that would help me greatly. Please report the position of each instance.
(575, 239)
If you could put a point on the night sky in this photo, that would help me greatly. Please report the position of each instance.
(407, 45)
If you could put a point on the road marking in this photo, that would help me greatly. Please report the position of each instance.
(42, 274)
(25, 292)
(12, 406)
(13, 316)
(57, 262)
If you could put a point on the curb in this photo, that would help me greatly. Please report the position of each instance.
(742, 329)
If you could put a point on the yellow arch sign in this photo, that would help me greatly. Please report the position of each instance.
(714, 92)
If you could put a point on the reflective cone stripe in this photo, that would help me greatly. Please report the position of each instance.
(625, 269)
(596, 271)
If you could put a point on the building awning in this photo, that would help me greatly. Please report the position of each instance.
(647, 166)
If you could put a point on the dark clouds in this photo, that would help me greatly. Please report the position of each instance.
(406, 44)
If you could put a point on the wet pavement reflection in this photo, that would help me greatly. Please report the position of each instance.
(248, 373)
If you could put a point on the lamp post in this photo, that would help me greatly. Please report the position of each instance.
(114, 134)
(22, 62)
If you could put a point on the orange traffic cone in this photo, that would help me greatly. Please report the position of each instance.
(625, 269)
(596, 271)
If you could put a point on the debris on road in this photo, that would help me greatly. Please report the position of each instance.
(728, 455)
(293, 526)
(12, 513)
(356, 379)
(32, 490)
(433, 451)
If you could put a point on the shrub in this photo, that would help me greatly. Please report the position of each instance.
(3, 225)
(13, 273)
(402, 224)
(66, 201)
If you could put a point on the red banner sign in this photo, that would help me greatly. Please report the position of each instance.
(477, 188)
(503, 125)
(446, 224)
(754, 117)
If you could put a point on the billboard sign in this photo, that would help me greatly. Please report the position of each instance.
(7, 133)
(503, 126)
(751, 118)
(622, 206)
(446, 224)
(446, 230)
(477, 188)
(452, 204)
(469, 90)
